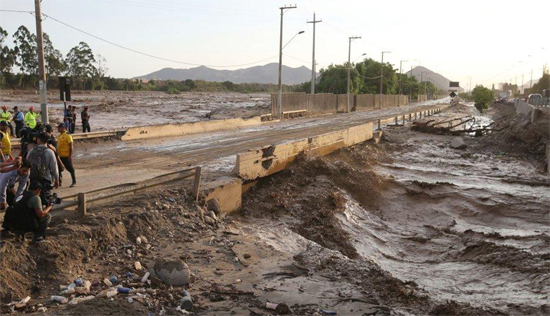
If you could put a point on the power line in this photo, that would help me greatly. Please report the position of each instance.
(17, 11)
(153, 56)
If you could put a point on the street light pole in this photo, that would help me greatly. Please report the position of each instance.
(313, 75)
(400, 80)
(382, 79)
(41, 64)
(280, 96)
(349, 71)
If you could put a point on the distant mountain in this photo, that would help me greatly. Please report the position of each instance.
(258, 74)
(432, 76)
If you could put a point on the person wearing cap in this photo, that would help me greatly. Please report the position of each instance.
(19, 119)
(5, 141)
(85, 117)
(5, 116)
(30, 118)
(65, 149)
(29, 215)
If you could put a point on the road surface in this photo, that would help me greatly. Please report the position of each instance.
(106, 163)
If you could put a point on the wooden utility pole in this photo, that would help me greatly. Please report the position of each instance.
(41, 64)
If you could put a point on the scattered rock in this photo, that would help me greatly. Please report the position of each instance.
(458, 143)
(210, 221)
(213, 205)
(172, 271)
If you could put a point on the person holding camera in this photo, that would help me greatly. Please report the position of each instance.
(43, 166)
(28, 214)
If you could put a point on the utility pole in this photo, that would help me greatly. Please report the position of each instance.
(41, 64)
(313, 74)
(531, 84)
(410, 86)
(400, 81)
(522, 84)
(349, 70)
(382, 79)
(280, 96)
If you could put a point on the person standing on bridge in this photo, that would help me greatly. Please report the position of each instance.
(65, 150)
(19, 119)
(85, 117)
(5, 116)
(30, 118)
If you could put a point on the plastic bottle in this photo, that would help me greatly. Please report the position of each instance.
(123, 290)
(107, 282)
(59, 299)
(145, 277)
(186, 302)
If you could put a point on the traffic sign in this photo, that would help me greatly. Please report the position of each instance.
(452, 94)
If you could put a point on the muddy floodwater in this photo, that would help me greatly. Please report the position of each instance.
(469, 226)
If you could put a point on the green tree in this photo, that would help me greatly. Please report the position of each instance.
(482, 96)
(25, 51)
(7, 56)
(544, 81)
(80, 64)
(55, 65)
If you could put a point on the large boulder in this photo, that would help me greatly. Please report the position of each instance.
(172, 271)
(458, 143)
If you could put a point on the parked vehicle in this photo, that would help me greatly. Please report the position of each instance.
(535, 99)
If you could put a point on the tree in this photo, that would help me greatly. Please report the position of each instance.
(80, 64)
(25, 51)
(55, 65)
(544, 81)
(7, 56)
(482, 96)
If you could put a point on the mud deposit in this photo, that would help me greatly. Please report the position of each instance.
(119, 109)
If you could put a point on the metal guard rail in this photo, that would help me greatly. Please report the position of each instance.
(81, 199)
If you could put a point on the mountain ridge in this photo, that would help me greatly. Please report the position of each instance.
(265, 74)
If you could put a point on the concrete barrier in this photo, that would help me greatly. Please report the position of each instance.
(167, 130)
(227, 190)
(268, 160)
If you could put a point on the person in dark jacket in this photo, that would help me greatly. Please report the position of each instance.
(28, 214)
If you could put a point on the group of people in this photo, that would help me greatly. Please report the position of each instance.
(27, 181)
(69, 118)
(30, 119)
(21, 120)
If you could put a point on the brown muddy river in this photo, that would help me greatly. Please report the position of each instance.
(468, 227)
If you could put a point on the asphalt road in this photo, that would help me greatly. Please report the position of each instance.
(106, 163)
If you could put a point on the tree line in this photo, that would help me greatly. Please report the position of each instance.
(365, 79)
(87, 70)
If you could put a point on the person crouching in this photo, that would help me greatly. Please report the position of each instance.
(28, 214)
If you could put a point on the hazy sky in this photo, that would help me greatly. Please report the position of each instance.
(489, 41)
